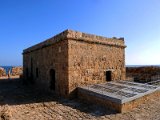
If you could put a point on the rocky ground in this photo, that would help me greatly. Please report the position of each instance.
(20, 102)
(143, 74)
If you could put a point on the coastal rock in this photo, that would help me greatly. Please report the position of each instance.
(2, 72)
(143, 74)
(17, 71)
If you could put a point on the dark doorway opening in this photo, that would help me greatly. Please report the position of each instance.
(108, 75)
(52, 79)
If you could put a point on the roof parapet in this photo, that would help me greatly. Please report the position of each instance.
(79, 36)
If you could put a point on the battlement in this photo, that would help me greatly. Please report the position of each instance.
(79, 36)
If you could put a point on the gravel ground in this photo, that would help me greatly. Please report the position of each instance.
(20, 102)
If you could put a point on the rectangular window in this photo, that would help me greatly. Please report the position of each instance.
(108, 75)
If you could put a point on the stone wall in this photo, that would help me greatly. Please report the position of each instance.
(92, 98)
(88, 63)
(44, 59)
(125, 107)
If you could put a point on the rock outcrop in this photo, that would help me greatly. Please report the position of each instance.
(2, 72)
(143, 74)
(17, 71)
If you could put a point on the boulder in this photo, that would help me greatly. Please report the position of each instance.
(2, 72)
(17, 71)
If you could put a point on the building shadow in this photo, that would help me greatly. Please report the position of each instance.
(13, 92)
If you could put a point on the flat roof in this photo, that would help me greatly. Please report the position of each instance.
(79, 36)
(120, 91)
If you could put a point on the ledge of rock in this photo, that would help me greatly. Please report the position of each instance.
(2, 72)
(17, 71)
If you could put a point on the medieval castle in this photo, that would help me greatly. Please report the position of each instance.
(71, 59)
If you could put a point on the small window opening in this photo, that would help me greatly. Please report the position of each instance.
(108, 75)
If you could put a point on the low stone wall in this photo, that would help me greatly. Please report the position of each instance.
(132, 104)
(98, 99)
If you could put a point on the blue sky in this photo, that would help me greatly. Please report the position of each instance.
(26, 22)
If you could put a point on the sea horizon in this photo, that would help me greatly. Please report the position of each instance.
(140, 65)
(10, 66)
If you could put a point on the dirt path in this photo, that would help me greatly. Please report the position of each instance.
(25, 103)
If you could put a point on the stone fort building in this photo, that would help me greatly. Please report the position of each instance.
(71, 59)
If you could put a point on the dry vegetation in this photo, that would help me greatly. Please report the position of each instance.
(19, 102)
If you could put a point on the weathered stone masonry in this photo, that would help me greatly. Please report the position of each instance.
(77, 58)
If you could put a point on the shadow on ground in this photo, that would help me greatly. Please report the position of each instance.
(13, 92)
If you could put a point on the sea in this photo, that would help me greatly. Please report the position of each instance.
(7, 68)
(142, 65)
